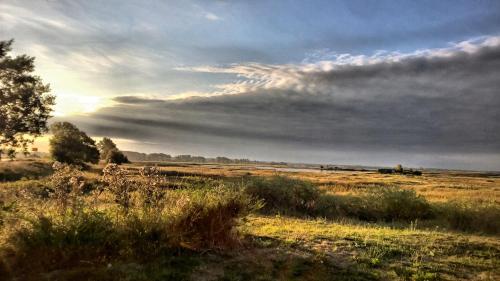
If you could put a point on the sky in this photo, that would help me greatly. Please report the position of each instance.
(340, 82)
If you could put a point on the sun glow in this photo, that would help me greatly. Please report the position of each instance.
(70, 104)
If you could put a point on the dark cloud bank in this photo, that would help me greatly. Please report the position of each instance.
(421, 111)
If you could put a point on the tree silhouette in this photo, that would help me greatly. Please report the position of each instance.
(25, 104)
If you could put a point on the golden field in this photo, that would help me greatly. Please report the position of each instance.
(344, 234)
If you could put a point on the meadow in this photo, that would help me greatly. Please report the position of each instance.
(186, 221)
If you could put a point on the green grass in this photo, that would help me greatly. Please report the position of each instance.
(386, 252)
(179, 226)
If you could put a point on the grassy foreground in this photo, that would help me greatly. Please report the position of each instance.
(216, 222)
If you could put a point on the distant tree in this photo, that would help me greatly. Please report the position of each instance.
(221, 159)
(105, 146)
(399, 168)
(25, 104)
(158, 157)
(109, 152)
(117, 157)
(70, 145)
(183, 158)
(198, 159)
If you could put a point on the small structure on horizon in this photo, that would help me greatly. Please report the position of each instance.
(400, 170)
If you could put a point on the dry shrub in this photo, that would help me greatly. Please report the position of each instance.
(119, 185)
(51, 242)
(66, 185)
(151, 187)
(207, 217)
(203, 217)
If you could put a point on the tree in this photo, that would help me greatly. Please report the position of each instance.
(399, 168)
(70, 145)
(105, 146)
(117, 157)
(110, 153)
(25, 102)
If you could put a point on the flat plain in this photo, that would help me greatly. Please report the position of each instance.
(349, 232)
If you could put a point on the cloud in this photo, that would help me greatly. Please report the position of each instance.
(254, 76)
(135, 100)
(439, 103)
(212, 17)
(230, 93)
(84, 48)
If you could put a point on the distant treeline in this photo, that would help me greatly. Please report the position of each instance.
(162, 157)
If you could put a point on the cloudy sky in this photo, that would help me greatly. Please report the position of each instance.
(344, 82)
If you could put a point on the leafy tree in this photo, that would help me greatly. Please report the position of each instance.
(117, 157)
(110, 153)
(105, 146)
(25, 102)
(72, 146)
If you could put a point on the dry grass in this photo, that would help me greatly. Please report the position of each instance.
(26, 169)
(442, 186)
(147, 244)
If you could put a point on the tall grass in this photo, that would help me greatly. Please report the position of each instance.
(284, 195)
(137, 217)
(73, 226)
(27, 169)
(294, 197)
(464, 216)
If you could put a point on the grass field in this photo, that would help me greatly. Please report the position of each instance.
(244, 222)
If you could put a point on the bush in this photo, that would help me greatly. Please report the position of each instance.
(334, 206)
(467, 217)
(400, 204)
(295, 197)
(207, 217)
(284, 195)
(202, 217)
(384, 204)
(116, 157)
(75, 229)
(60, 241)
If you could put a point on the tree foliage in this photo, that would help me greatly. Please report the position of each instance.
(116, 157)
(25, 102)
(105, 146)
(72, 146)
(110, 153)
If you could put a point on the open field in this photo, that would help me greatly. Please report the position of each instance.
(277, 224)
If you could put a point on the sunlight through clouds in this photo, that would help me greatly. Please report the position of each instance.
(71, 104)
(211, 75)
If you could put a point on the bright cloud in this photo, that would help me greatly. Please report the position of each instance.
(211, 16)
